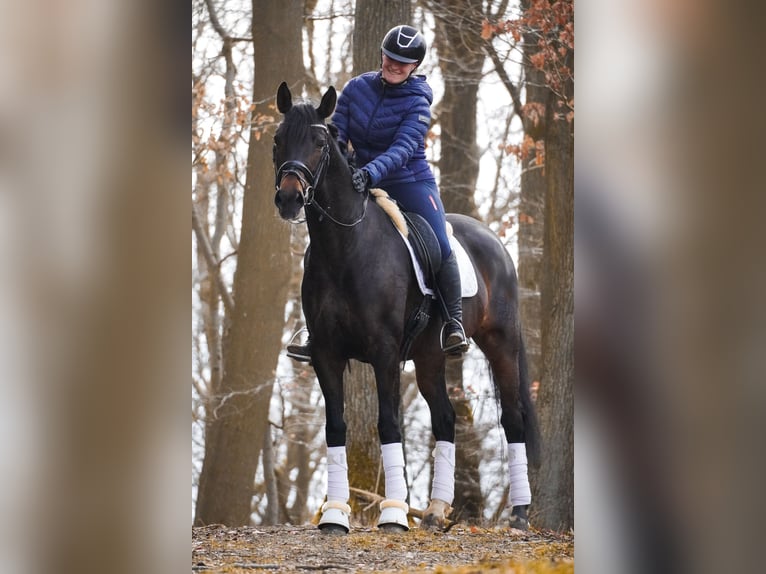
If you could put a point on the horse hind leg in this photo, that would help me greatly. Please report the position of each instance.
(508, 364)
(432, 385)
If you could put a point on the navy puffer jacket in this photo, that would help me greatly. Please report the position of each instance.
(387, 125)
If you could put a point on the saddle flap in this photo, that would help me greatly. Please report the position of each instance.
(424, 243)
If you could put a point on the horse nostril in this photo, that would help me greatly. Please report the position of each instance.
(278, 199)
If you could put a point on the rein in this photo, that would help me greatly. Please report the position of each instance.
(311, 180)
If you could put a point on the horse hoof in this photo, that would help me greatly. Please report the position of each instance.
(435, 516)
(432, 522)
(518, 519)
(518, 522)
(329, 529)
(393, 516)
(392, 528)
(335, 517)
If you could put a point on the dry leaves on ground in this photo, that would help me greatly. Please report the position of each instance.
(464, 549)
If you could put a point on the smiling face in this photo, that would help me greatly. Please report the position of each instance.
(395, 72)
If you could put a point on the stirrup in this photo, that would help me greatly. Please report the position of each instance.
(300, 353)
(456, 347)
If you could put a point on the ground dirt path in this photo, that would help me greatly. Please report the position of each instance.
(463, 549)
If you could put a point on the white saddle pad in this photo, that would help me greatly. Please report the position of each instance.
(469, 286)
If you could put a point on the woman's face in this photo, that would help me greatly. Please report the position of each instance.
(396, 72)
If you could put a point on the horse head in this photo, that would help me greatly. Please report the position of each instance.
(301, 150)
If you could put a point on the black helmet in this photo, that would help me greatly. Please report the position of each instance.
(404, 44)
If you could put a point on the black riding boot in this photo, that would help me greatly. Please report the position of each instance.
(453, 339)
(300, 352)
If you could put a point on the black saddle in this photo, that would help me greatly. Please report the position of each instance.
(427, 251)
(425, 245)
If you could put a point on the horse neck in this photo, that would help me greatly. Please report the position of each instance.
(335, 196)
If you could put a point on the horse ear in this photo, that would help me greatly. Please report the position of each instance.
(284, 98)
(327, 105)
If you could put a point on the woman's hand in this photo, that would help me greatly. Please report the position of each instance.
(361, 180)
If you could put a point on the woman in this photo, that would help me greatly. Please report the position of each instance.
(385, 116)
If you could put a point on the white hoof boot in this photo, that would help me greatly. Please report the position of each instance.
(393, 515)
(335, 517)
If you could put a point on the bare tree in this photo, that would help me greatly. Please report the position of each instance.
(238, 423)
(373, 18)
(530, 218)
(461, 59)
(554, 487)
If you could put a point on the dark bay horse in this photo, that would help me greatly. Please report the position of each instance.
(359, 290)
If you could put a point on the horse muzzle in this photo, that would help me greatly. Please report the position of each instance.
(289, 201)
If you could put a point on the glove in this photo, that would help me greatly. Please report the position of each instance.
(361, 180)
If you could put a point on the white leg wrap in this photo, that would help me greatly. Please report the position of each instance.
(517, 471)
(443, 487)
(337, 474)
(393, 465)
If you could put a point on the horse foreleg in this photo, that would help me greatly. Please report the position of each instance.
(336, 511)
(393, 510)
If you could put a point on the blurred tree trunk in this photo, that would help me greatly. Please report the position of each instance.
(461, 59)
(373, 18)
(252, 340)
(553, 491)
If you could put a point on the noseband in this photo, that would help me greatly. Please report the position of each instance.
(309, 180)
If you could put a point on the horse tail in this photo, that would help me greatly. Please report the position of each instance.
(529, 415)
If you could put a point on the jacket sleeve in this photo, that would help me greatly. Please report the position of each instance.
(411, 133)
(340, 118)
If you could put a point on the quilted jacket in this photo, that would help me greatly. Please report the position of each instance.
(387, 125)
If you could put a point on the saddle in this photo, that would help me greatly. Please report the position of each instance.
(425, 247)
(418, 234)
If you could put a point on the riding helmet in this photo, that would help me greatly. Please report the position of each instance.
(404, 44)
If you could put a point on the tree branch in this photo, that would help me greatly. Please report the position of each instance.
(212, 264)
(219, 28)
(214, 20)
(512, 89)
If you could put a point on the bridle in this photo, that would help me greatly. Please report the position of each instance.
(309, 180)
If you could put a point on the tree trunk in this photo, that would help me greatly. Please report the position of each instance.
(374, 18)
(531, 212)
(553, 491)
(461, 60)
(253, 339)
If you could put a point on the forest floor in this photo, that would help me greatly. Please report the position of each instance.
(462, 550)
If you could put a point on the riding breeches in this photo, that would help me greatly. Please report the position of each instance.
(422, 197)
